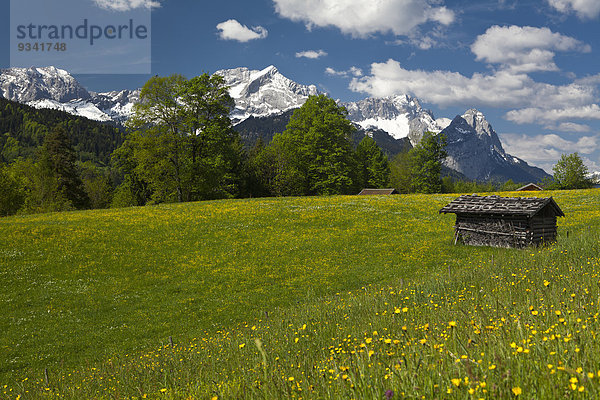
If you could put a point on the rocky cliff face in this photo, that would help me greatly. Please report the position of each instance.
(54, 88)
(475, 151)
(262, 93)
(401, 116)
(31, 84)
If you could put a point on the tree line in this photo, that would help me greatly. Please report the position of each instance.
(180, 146)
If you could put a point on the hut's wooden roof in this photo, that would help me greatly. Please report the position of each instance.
(366, 192)
(496, 205)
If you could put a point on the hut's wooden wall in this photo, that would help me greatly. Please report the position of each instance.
(505, 231)
(489, 230)
(543, 229)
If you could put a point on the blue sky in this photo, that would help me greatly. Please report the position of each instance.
(530, 66)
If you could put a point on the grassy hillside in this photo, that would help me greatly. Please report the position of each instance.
(351, 297)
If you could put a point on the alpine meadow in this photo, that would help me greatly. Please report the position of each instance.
(308, 297)
(305, 200)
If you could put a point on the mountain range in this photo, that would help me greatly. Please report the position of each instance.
(264, 102)
(55, 88)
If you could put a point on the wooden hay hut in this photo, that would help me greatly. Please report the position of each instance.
(377, 192)
(504, 221)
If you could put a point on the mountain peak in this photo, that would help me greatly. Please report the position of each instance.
(477, 121)
(263, 92)
(271, 69)
(475, 150)
(400, 115)
(35, 83)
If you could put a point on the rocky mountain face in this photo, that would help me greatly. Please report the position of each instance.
(55, 88)
(262, 93)
(475, 151)
(264, 102)
(401, 116)
(33, 84)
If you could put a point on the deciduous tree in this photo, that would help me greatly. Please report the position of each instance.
(182, 141)
(314, 155)
(373, 169)
(426, 163)
(571, 173)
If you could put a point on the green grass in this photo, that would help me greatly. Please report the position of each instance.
(97, 294)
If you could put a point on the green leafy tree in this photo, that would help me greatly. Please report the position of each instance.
(183, 145)
(97, 185)
(258, 171)
(401, 172)
(448, 185)
(12, 195)
(571, 173)
(314, 154)
(509, 186)
(373, 170)
(426, 163)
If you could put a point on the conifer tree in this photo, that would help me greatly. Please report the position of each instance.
(57, 164)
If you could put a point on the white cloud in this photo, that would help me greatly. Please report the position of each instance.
(546, 116)
(571, 127)
(545, 150)
(233, 30)
(313, 54)
(523, 49)
(361, 18)
(501, 88)
(353, 71)
(585, 9)
(589, 80)
(126, 5)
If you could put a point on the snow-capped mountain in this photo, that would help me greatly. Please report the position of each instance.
(262, 93)
(401, 116)
(54, 88)
(475, 151)
(265, 97)
(117, 105)
(32, 84)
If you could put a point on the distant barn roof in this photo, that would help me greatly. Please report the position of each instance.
(529, 186)
(528, 206)
(366, 192)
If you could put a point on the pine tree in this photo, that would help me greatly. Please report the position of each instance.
(57, 164)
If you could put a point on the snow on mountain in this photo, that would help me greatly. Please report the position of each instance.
(265, 92)
(401, 116)
(31, 84)
(54, 88)
(443, 122)
(82, 108)
(117, 105)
